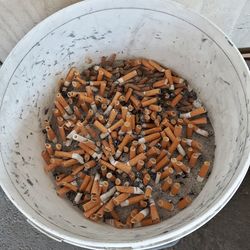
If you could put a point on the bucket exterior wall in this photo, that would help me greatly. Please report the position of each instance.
(161, 30)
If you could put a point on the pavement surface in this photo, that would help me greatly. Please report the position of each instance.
(228, 230)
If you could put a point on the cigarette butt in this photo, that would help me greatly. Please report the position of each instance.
(151, 131)
(155, 108)
(184, 202)
(193, 159)
(105, 72)
(166, 184)
(203, 171)
(140, 216)
(153, 152)
(132, 152)
(144, 222)
(51, 134)
(109, 206)
(132, 200)
(193, 113)
(176, 167)
(148, 192)
(124, 167)
(141, 148)
(165, 142)
(91, 211)
(134, 161)
(178, 130)
(70, 186)
(162, 163)
(46, 156)
(99, 126)
(147, 64)
(110, 176)
(157, 178)
(170, 134)
(156, 66)
(118, 182)
(153, 211)
(138, 129)
(140, 165)
(62, 191)
(143, 204)
(165, 204)
(49, 149)
(126, 77)
(167, 172)
(89, 186)
(161, 84)
(178, 80)
(146, 179)
(190, 151)
(190, 129)
(149, 102)
(120, 198)
(175, 189)
(128, 94)
(173, 146)
(60, 121)
(151, 163)
(165, 122)
(117, 125)
(199, 121)
(149, 138)
(183, 167)
(169, 76)
(129, 190)
(63, 102)
(152, 92)
(176, 100)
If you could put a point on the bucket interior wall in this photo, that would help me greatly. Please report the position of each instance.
(136, 32)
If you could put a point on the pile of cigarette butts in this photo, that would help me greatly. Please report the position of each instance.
(120, 131)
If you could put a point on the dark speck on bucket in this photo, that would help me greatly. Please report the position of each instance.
(30, 182)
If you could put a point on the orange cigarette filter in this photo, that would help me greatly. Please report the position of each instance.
(149, 102)
(134, 161)
(146, 179)
(133, 200)
(184, 202)
(140, 216)
(155, 108)
(91, 211)
(151, 163)
(147, 64)
(169, 76)
(105, 72)
(193, 113)
(161, 84)
(190, 151)
(149, 138)
(170, 134)
(138, 129)
(176, 167)
(162, 163)
(175, 189)
(152, 92)
(156, 66)
(128, 94)
(166, 184)
(62, 191)
(117, 125)
(135, 102)
(193, 159)
(151, 131)
(165, 142)
(190, 129)
(176, 100)
(141, 148)
(174, 146)
(46, 156)
(183, 167)
(199, 121)
(132, 152)
(203, 171)
(120, 198)
(126, 77)
(167, 172)
(153, 151)
(90, 184)
(85, 183)
(148, 192)
(49, 148)
(165, 204)
(153, 211)
(70, 186)
(140, 165)
(165, 122)
(109, 206)
(51, 134)
(178, 130)
(99, 126)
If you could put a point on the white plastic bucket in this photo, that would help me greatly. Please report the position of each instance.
(162, 30)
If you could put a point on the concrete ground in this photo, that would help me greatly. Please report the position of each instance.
(229, 230)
